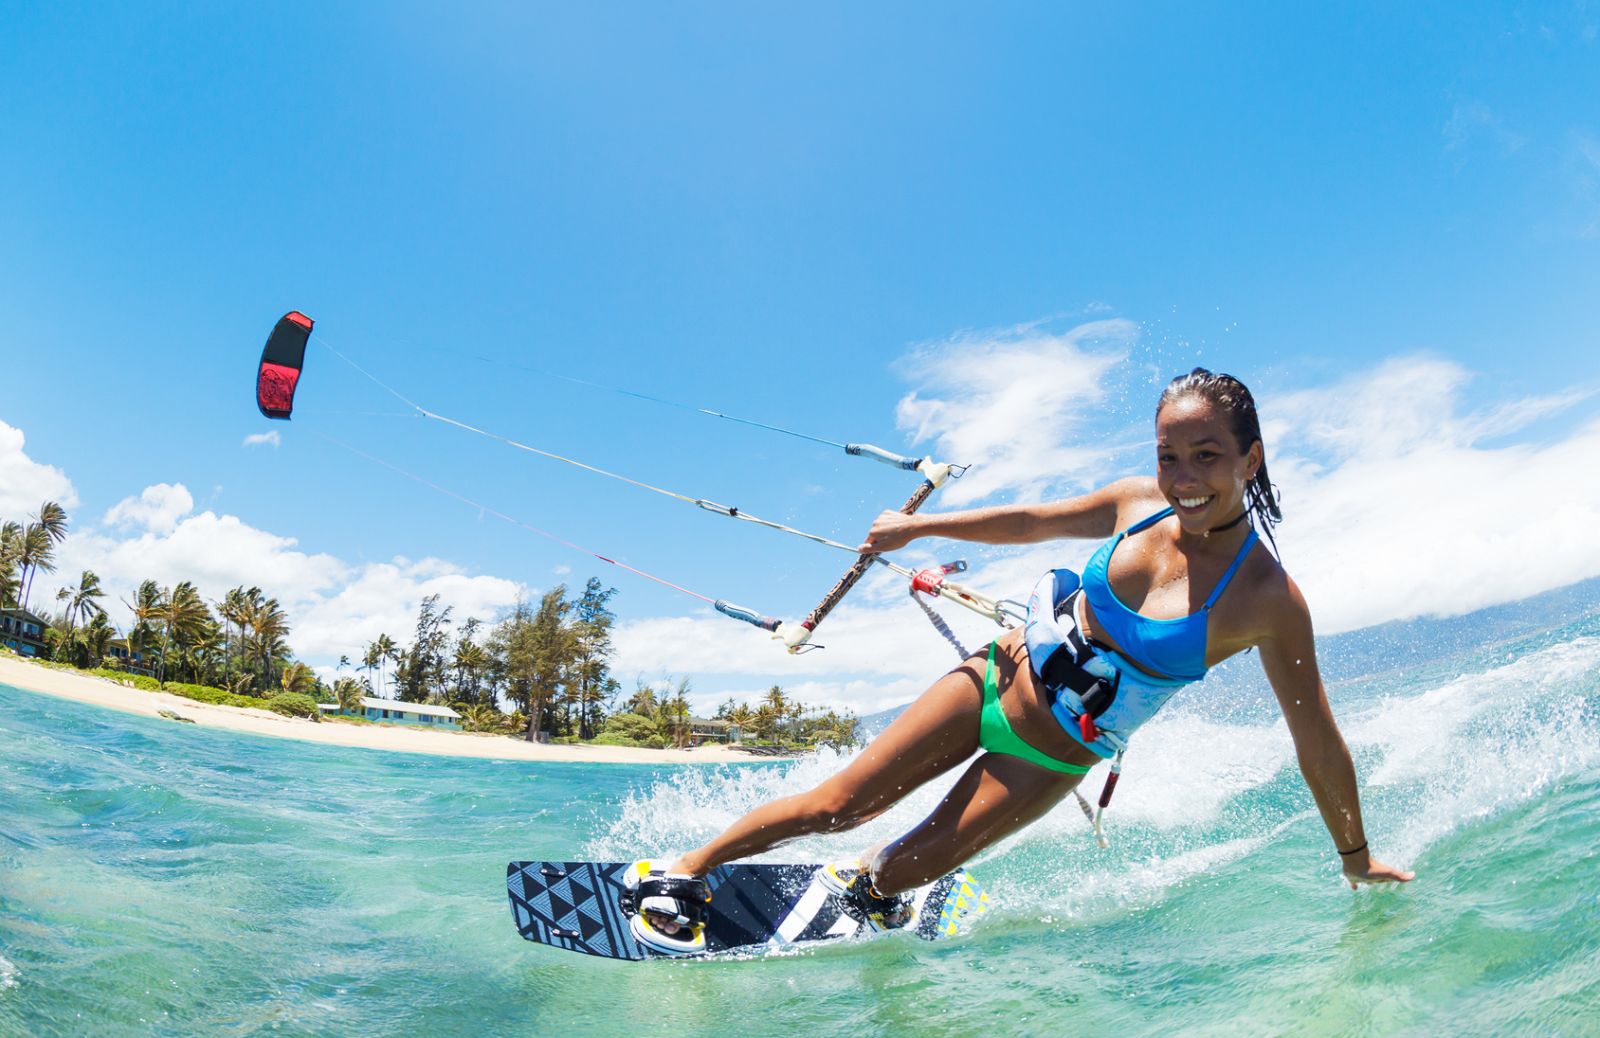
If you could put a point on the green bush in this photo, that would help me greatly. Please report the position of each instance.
(635, 727)
(294, 704)
(658, 742)
(610, 738)
(209, 694)
(121, 677)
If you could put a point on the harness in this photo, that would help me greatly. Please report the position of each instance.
(1077, 698)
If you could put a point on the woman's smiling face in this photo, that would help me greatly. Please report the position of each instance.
(1200, 467)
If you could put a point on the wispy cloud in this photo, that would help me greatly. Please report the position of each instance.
(266, 439)
(1474, 123)
(1397, 506)
(1585, 178)
(1015, 402)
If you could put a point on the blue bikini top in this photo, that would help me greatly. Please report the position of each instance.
(1177, 647)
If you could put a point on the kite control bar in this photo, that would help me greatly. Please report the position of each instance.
(934, 474)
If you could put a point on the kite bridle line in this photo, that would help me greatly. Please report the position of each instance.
(796, 637)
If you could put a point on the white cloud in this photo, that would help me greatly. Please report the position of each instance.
(157, 508)
(1011, 402)
(25, 483)
(266, 439)
(334, 608)
(382, 598)
(1396, 508)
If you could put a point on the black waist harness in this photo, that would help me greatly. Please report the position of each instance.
(1060, 671)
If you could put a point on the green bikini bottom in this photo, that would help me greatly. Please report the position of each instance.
(996, 735)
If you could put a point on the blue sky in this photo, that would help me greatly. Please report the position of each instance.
(997, 230)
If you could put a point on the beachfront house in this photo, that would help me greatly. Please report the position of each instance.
(23, 632)
(706, 729)
(393, 711)
(131, 661)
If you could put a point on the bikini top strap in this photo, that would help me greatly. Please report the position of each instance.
(1146, 522)
(1238, 560)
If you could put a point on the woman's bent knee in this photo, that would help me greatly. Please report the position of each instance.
(897, 868)
(832, 811)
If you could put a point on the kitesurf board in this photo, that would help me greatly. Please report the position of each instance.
(576, 905)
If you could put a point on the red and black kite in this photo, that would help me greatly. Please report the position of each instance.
(281, 360)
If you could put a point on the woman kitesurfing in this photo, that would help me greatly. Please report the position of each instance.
(1179, 584)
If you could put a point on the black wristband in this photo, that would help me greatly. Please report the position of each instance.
(1354, 850)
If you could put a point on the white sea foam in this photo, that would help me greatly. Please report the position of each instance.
(8, 973)
(1432, 760)
(1485, 742)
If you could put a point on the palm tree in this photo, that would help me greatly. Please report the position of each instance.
(234, 608)
(643, 700)
(347, 693)
(95, 637)
(470, 663)
(480, 717)
(779, 705)
(764, 722)
(146, 608)
(48, 528)
(297, 677)
(266, 644)
(677, 711)
(34, 554)
(380, 653)
(10, 576)
(53, 519)
(742, 716)
(81, 600)
(183, 615)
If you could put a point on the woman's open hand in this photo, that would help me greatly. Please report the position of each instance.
(889, 531)
(1367, 869)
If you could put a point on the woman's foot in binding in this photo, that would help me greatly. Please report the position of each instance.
(666, 911)
(851, 883)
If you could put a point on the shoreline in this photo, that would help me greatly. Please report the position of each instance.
(86, 688)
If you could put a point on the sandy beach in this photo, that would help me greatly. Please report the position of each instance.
(399, 738)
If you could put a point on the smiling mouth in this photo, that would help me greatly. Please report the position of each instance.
(1193, 502)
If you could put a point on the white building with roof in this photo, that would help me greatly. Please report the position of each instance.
(393, 711)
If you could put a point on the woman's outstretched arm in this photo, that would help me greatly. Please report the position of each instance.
(1092, 515)
(1289, 656)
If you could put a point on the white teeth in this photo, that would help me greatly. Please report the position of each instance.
(1192, 502)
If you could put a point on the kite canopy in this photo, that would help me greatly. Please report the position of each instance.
(281, 360)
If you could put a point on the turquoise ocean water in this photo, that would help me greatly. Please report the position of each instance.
(160, 879)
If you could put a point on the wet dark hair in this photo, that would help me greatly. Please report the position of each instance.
(1230, 396)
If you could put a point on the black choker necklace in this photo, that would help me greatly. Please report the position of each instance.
(1230, 524)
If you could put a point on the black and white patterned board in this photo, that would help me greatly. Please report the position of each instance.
(575, 905)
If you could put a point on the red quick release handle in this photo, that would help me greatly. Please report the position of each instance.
(1090, 732)
(927, 581)
(1111, 785)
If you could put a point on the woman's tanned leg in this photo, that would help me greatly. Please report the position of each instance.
(937, 732)
(997, 796)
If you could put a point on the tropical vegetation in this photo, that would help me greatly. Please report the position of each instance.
(541, 671)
